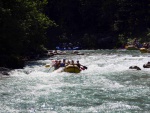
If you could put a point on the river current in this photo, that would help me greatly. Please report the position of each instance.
(107, 86)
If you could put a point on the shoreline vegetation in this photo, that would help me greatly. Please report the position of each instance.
(30, 28)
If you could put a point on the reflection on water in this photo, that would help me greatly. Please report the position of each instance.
(107, 86)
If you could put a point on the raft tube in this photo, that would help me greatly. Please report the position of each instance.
(131, 47)
(72, 69)
(144, 50)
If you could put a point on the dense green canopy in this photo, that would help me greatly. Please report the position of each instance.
(99, 22)
(28, 26)
(23, 28)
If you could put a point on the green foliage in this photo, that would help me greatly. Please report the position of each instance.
(23, 26)
(93, 23)
(101, 18)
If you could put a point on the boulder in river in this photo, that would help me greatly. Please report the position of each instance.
(4, 71)
(134, 67)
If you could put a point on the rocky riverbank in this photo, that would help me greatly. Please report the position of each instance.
(4, 72)
(15, 61)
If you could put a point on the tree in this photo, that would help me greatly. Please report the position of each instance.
(105, 20)
(23, 27)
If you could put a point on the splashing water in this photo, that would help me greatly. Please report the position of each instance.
(106, 86)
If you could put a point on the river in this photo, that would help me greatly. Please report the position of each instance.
(107, 86)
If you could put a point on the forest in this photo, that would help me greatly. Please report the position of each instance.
(32, 27)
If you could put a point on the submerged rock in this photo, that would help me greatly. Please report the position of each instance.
(134, 67)
(147, 65)
(4, 71)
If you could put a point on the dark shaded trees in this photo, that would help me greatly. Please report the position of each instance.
(100, 20)
(90, 23)
(23, 28)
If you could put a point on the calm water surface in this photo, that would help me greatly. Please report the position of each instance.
(108, 86)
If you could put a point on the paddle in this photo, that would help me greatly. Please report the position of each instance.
(50, 68)
(85, 67)
(47, 65)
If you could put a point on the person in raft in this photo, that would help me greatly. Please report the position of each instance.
(68, 63)
(81, 66)
(63, 63)
(57, 64)
(72, 62)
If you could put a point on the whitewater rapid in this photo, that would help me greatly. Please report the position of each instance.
(108, 85)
